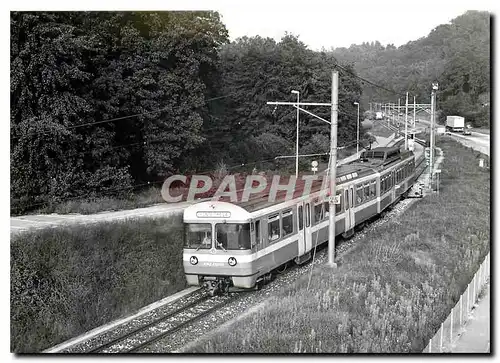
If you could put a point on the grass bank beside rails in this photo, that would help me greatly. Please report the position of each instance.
(67, 281)
(482, 131)
(95, 205)
(393, 290)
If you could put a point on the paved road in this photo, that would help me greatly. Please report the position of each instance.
(478, 141)
(39, 221)
(476, 337)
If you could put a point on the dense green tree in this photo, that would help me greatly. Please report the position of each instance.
(257, 70)
(71, 70)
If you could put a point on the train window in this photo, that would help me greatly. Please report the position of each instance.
(382, 185)
(308, 215)
(232, 236)
(273, 227)
(346, 199)
(338, 207)
(198, 235)
(367, 191)
(373, 189)
(257, 232)
(351, 193)
(318, 213)
(327, 209)
(287, 223)
(359, 195)
(301, 218)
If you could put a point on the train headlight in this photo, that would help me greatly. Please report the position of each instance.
(232, 261)
(193, 260)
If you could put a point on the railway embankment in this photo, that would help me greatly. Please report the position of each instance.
(392, 291)
(68, 280)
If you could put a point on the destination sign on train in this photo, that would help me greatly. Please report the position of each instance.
(213, 214)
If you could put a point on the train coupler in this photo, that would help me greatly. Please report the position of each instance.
(217, 287)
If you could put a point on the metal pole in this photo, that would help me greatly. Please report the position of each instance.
(406, 123)
(441, 338)
(414, 111)
(467, 306)
(357, 144)
(474, 291)
(357, 131)
(297, 140)
(451, 328)
(399, 107)
(480, 277)
(431, 159)
(333, 169)
(461, 313)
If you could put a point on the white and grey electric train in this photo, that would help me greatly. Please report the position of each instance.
(241, 244)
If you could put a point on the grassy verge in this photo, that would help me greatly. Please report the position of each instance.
(95, 205)
(483, 131)
(391, 293)
(67, 281)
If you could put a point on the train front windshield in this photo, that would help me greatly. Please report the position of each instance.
(232, 236)
(198, 235)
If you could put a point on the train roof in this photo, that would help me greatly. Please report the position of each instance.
(373, 162)
(345, 173)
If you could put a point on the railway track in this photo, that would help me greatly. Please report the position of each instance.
(157, 325)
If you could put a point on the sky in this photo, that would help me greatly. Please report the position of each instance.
(318, 23)
(328, 24)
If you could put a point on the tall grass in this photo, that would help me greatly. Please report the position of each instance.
(391, 293)
(66, 281)
(93, 205)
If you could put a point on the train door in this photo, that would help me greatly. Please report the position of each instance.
(307, 227)
(300, 228)
(394, 184)
(304, 227)
(349, 208)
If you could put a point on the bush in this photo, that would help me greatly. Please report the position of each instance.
(66, 281)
